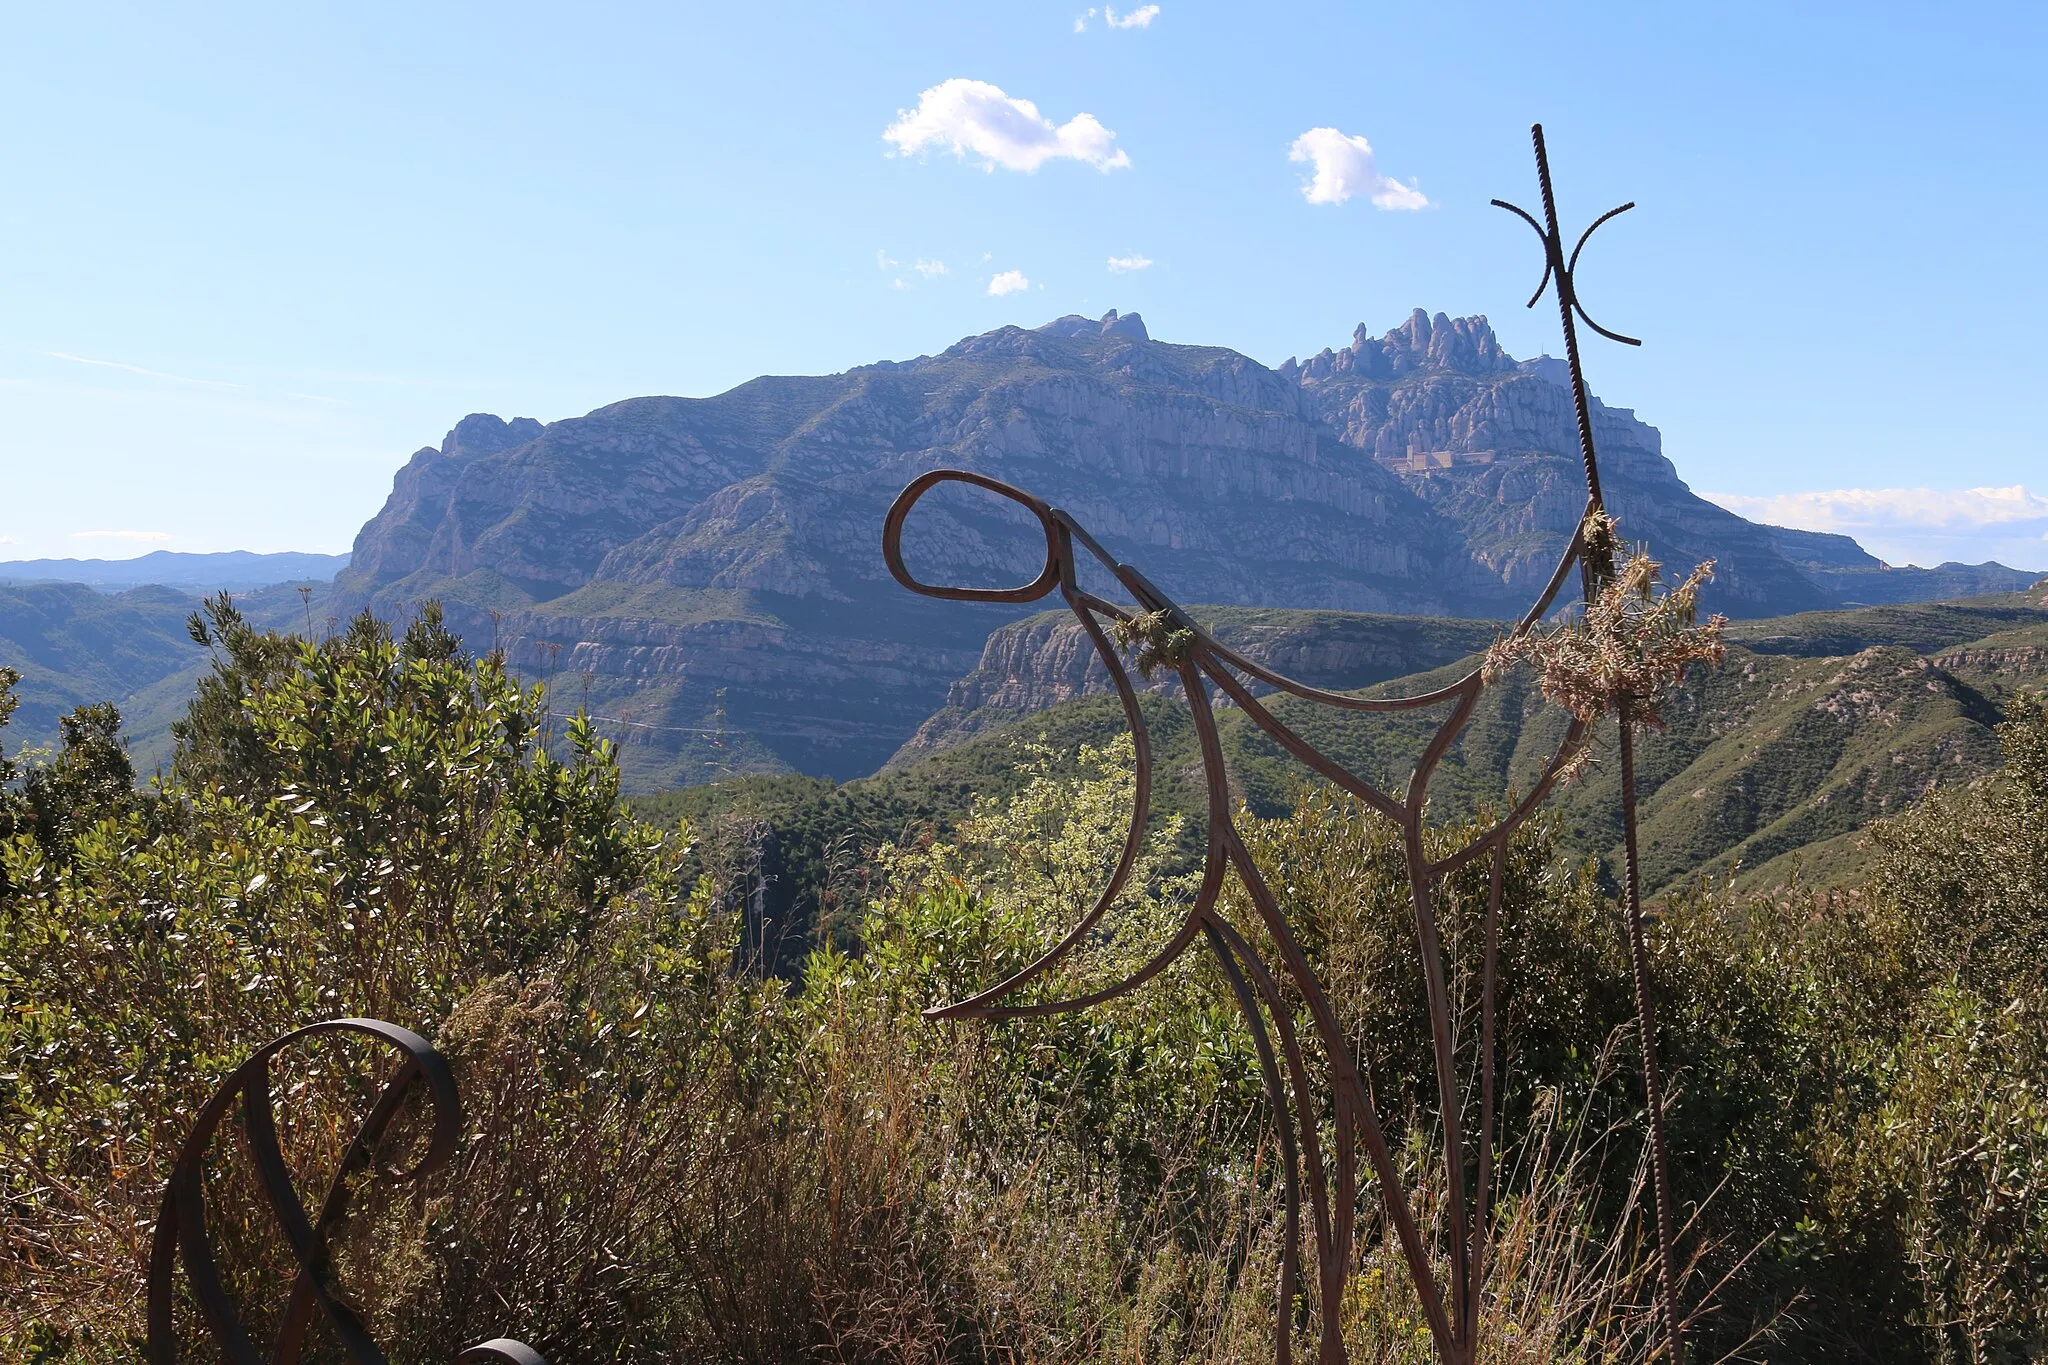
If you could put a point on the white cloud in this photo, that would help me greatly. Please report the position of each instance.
(976, 119)
(1345, 167)
(931, 270)
(1141, 17)
(1120, 265)
(121, 535)
(1915, 525)
(1009, 282)
(1081, 24)
(884, 261)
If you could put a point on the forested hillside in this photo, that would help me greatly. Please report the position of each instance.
(685, 1140)
(1815, 725)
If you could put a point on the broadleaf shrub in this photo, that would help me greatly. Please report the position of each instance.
(669, 1151)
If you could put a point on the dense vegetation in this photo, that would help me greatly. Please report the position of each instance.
(687, 1139)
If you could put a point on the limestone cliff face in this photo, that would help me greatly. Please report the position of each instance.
(706, 572)
(1038, 662)
(1493, 446)
(1207, 466)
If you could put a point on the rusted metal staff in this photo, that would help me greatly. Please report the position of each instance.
(181, 1233)
(1326, 1183)
(1598, 567)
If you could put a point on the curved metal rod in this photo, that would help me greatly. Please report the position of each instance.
(899, 512)
(181, 1233)
(501, 1349)
(1343, 701)
(1150, 598)
(1576, 734)
(1523, 214)
(1331, 1260)
(1439, 745)
(1482, 1203)
(1344, 1063)
(1290, 1156)
(978, 1006)
(1437, 996)
(1586, 318)
(1347, 1075)
(1572, 550)
(1302, 750)
(1571, 270)
(1134, 837)
(1571, 266)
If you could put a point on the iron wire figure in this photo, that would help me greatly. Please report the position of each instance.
(1324, 1186)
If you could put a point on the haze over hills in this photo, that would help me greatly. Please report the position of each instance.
(74, 646)
(704, 572)
(224, 571)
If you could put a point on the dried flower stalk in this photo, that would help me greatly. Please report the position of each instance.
(1631, 648)
(1160, 638)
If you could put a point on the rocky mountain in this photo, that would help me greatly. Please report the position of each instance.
(704, 573)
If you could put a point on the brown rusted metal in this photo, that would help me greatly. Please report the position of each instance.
(1327, 1182)
(181, 1234)
(1598, 569)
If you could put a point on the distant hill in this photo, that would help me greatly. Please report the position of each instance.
(75, 645)
(228, 571)
(1772, 763)
(705, 572)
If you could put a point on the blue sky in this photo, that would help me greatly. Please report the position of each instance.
(252, 256)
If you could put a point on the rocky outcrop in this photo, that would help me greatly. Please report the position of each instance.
(1492, 445)
(707, 570)
(1046, 659)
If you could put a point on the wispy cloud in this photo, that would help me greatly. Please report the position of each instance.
(121, 535)
(976, 119)
(1345, 167)
(1141, 17)
(929, 270)
(1915, 525)
(147, 373)
(137, 369)
(1009, 282)
(1123, 265)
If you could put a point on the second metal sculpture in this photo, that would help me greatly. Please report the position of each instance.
(181, 1229)
(1321, 1186)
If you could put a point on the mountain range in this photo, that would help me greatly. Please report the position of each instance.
(704, 573)
(223, 571)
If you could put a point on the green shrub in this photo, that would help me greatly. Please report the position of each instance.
(670, 1153)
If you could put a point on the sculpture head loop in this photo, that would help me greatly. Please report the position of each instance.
(899, 512)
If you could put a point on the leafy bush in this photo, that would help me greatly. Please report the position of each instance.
(671, 1153)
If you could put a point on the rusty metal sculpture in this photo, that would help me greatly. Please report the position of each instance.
(1328, 1187)
(181, 1233)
